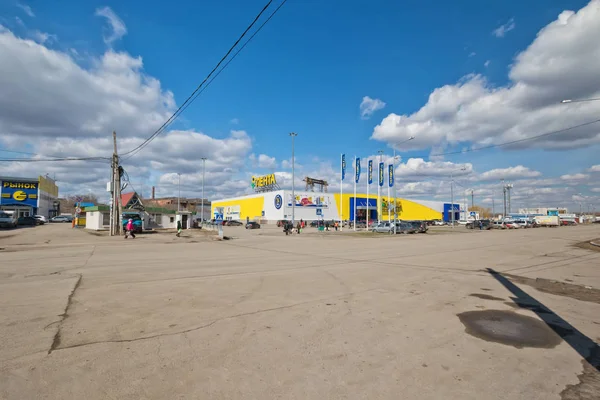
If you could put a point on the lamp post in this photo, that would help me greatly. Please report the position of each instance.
(179, 190)
(202, 207)
(452, 194)
(293, 135)
(395, 194)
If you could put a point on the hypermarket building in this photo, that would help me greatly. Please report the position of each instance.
(270, 204)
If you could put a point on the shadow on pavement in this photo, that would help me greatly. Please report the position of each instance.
(586, 347)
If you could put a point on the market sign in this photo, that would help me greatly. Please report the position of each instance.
(264, 183)
(19, 193)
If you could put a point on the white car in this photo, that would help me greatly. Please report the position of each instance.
(41, 218)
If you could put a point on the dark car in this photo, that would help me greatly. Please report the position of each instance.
(252, 225)
(487, 225)
(419, 226)
(24, 221)
(234, 223)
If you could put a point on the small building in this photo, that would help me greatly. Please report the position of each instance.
(29, 196)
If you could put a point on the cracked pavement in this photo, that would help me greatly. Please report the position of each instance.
(315, 316)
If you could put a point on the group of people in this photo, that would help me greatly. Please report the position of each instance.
(288, 227)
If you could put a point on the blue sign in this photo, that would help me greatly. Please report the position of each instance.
(219, 217)
(381, 174)
(19, 193)
(391, 174)
(370, 171)
(343, 166)
(319, 211)
(357, 169)
(472, 213)
(278, 201)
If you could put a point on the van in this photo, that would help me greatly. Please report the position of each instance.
(8, 219)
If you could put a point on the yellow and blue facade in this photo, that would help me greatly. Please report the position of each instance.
(277, 205)
(29, 196)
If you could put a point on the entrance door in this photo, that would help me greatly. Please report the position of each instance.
(184, 221)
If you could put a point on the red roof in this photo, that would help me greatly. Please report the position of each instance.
(126, 198)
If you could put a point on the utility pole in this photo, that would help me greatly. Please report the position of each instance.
(178, 191)
(452, 198)
(203, 171)
(509, 187)
(472, 199)
(504, 192)
(293, 135)
(117, 224)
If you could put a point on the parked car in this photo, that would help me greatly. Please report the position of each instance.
(511, 225)
(61, 218)
(498, 225)
(234, 223)
(382, 227)
(27, 221)
(475, 224)
(8, 220)
(419, 226)
(564, 222)
(404, 227)
(41, 218)
(252, 225)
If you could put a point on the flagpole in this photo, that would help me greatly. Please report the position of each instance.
(342, 193)
(355, 172)
(368, 184)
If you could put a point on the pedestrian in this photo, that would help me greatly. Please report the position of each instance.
(129, 229)
(298, 228)
(480, 225)
(178, 228)
(336, 226)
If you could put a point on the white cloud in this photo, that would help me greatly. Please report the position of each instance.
(264, 161)
(43, 37)
(487, 63)
(510, 173)
(595, 190)
(562, 62)
(117, 27)
(594, 168)
(415, 167)
(234, 121)
(500, 31)
(368, 106)
(574, 177)
(472, 54)
(26, 9)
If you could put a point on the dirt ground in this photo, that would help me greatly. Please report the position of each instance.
(330, 315)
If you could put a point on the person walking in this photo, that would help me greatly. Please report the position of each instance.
(129, 229)
(178, 228)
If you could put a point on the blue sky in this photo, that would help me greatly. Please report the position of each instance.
(309, 68)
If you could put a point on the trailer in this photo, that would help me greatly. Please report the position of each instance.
(547, 220)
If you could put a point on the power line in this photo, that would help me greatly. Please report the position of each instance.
(103, 159)
(196, 92)
(515, 141)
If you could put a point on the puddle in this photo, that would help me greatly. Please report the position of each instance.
(485, 296)
(509, 328)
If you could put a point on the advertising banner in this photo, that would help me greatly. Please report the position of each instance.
(343, 166)
(309, 200)
(370, 171)
(381, 170)
(391, 175)
(19, 193)
(357, 168)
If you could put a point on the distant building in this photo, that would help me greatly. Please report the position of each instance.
(29, 196)
(544, 211)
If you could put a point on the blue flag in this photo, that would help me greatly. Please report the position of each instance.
(343, 166)
(381, 170)
(391, 174)
(357, 178)
(370, 171)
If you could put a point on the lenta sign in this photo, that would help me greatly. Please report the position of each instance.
(265, 182)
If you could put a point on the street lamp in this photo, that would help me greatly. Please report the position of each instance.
(293, 135)
(395, 194)
(452, 193)
(203, 171)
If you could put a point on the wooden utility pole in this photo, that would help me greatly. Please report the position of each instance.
(116, 227)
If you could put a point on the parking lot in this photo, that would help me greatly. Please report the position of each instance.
(451, 314)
